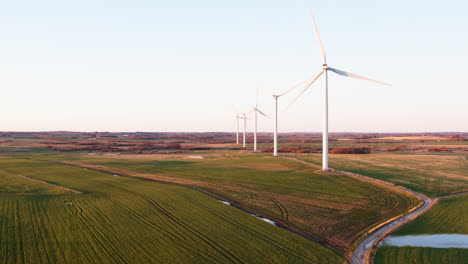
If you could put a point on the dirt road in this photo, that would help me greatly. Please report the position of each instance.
(361, 254)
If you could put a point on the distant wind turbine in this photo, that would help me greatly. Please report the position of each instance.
(324, 71)
(275, 121)
(256, 110)
(237, 123)
(244, 116)
(237, 127)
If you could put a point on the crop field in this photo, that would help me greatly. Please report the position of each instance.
(403, 255)
(333, 209)
(432, 174)
(102, 218)
(69, 197)
(13, 184)
(448, 216)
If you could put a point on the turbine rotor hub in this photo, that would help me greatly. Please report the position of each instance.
(325, 66)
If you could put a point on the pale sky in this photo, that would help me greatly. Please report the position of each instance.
(181, 65)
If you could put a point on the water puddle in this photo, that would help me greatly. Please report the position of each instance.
(433, 241)
(259, 217)
(265, 219)
(224, 202)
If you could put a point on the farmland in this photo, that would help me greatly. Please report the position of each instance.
(153, 197)
(331, 208)
(433, 174)
(448, 216)
(394, 255)
(124, 220)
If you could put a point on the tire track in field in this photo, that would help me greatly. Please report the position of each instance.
(130, 240)
(142, 218)
(107, 170)
(259, 235)
(38, 240)
(223, 251)
(51, 232)
(99, 237)
(180, 223)
(98, 255)
(175, 237)
(283, 211)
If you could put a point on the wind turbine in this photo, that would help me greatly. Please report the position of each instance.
(256, 110)
(237, 126)
(275, 122)
(237, 123)
(244, 116)
(325, 69)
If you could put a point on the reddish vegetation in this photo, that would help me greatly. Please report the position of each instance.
(350, 150)
(139, 142)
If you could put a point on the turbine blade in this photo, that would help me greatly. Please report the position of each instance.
(319, 39)
(352, 75)
(305, 89)
(292, 88)
(263, 114)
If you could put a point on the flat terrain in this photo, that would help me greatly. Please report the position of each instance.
(125, 220)
(331, 208)
(433, 174)
(403, 255)
(448, 216)
(69, 197)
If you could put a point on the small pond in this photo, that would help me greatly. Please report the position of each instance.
(433, 241)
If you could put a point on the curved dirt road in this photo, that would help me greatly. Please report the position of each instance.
(361, 254)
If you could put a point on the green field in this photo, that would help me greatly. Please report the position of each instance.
(448, 216)
(12, 184)
(126, 220)
(434, 174)
(333, 209)
(116, 216)
(404, 255)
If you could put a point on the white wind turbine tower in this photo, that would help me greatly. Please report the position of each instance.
(275, 121)
(256, 110)
(324, 71)
(237, 127)
(244, 116)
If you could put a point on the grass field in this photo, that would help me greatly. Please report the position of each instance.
(432, 174)
(415, 255)
(332, 208)
(125, 220)
(448, 216)
(12, 184)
